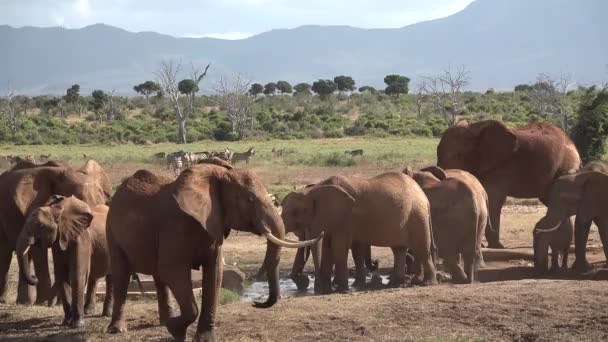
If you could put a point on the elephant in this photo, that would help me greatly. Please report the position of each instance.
(361, 253)
(389, 210)
(76, 234)
(520, 162)
(165, 228)
(459, 212)
(585, 195)
(27, 187)
(558, 240)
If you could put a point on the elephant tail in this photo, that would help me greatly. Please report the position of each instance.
(433, 245)
(141, 287)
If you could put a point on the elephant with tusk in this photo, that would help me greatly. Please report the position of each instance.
(164, 228)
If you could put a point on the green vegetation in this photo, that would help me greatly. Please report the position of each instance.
(227, 296)
(104, 118)
(591, 129)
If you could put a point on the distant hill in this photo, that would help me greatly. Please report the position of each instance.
(504, 42)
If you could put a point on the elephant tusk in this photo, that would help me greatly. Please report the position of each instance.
(290, 244)
(548, 230)
(27, 249)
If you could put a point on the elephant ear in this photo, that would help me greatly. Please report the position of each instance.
(330, 205)
(194, 198)
(496, 144)
(73, 217)
(593, 187)
(31, 191)
(97, 184)
(408, 171)
(436, 171)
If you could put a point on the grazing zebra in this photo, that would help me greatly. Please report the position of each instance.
(240, 156)
(354, 153)
(277, 153)
(176, 163)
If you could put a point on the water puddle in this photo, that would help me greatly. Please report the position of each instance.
(258, 290)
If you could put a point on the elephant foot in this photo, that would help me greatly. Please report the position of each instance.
(302, 281)
(177, 328)
(581, 266)
(24, 301)
(77, 323)
(343, 290)
(496, 245)
(117, 327)
(373, 266)
(396, 281)
(89, 310)
(208, 336)
(2, 300)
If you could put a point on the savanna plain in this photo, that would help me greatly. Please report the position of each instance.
(509, 303)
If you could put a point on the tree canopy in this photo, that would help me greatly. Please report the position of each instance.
(396, 85)
(147, 88)
(270, 88)
(324, 87)
(284, 87)
(302, 89)
(344, 83)
(256, 89)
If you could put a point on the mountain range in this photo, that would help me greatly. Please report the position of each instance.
(502, 43)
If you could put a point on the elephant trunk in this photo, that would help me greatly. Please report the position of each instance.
(272, 227)
(24, 243)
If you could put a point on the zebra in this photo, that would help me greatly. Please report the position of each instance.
(240, 156)
(354, 153)
(277, 153)
(176, 163)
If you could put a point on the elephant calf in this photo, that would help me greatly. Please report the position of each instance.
(76, 234)
(559, 239)
(459, 211)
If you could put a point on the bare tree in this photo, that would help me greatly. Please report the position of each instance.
(12, 110)
(421, 98)
(444, 91)
(111, 107)
(234, 99)
(167, 77)
(548, 95)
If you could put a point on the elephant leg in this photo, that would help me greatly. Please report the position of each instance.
(79, 276)
(340, 247)
(327, 265)
(316, 259)
(581, 235)
(109, 298)
(181, 287)
(371, 264)
(64, 291)
(602, 226)
(121, 275)
(358, 252)
(541, 252)
(24, 290)
(41, 266)
(6, 254)
(555, 256)
(452, 264)
(496, 201)
(470, 261)
(297, 269)
(90, 300)
(212, 281)
(410, 262)
(398, 274)
(422, 244)
(165, 311)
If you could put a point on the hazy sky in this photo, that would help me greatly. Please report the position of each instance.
(230, 19)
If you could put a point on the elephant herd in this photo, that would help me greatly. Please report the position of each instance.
(165, 228)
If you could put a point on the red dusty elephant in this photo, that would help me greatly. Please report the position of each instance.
(520, 162)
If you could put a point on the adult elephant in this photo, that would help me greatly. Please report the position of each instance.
(585, 195)
(25, 188)
(459, 210)
(389, 210)
(165, 228)
(520, 162)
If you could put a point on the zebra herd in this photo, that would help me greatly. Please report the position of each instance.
(178, 161)
(12, 160)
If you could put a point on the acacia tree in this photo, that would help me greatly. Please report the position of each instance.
(270, 88)
(256, 89)
(98, 102)
(72, 96)
(235, 102)
(444, 91)
(302, 89)
(284, 87)
(324, 88)
(396, 85)
(591, 128)
(344, 83)
(147, 88)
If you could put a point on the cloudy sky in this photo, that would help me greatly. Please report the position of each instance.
(230, 19)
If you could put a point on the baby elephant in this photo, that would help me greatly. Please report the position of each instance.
(559, 239)
(76, 235)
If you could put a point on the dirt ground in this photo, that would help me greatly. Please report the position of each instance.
(511, 303)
